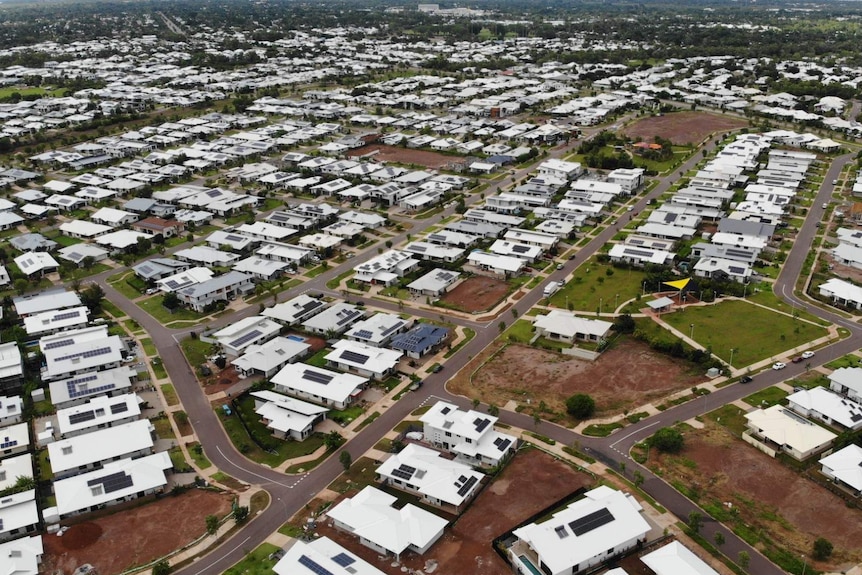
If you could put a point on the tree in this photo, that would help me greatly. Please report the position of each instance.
(162, 568)
(346, 460)
(240, 514)
(743, 559)
(580, 406)
(212, 524)
(88, 262)
(221, 362)
(92, 297)
(476, 402)
(695, 520)
(537, 419)
(822, 549)
(171, 302)
(493, 410)
(667, 440)
(624, 324)
(21, 286)
(718, 538)
(638, 478)
(501, 326)
(332, 440)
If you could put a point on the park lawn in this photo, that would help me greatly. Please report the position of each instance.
(754, 332)
(154, 307)
(256, 563)
(765, 296)
(591, 287)
(170, 394)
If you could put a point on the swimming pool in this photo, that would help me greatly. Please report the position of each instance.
(296, 337)
(533, 569)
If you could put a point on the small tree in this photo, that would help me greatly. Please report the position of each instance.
(695, 520)
(476, 402)
(637, 478)
(667, 439)
(212, 524)
(580, 406)
(332, 440)
(346, 460)
(21, 286)
(822, 549)
(181, 417)
(743, 559)
(718, 538)
(162, 568)
(493, 410)
(240, 514)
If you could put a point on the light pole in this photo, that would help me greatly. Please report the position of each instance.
(616, 302)
(691, 331)
(731, 357)
(643, 293)
(601, 305)
(803, 564)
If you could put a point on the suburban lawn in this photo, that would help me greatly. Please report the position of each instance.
(255, 563)
(755, 333)
(591, 286)
(170, 394)
(118, 282)
(154, 307)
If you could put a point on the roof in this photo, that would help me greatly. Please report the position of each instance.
(326, 384)
(98, 411)
(363, 357)
(419, 338)
(435, 280)
(102, 445)
(287, 414)
(32, 242)
(295, 309)
(272, 354)
(184, 279)
(337, 317)
(782, 426)
(84, 228)
(432, 475)
(80, 354)
(76, 253)
(321, 556)
(370, 515)
(840, 410)
(15, 467)
(676, 559)
(115, 480)
(249, 330)
(496, 261)
(842, 289)
(206, 255)
(215, 284)
(846, 465)
(21, 556)
(602, 520)
(376, 329)
(18, 510)
(39, 323)
(34, 262)
(568, 324)
(91, 384)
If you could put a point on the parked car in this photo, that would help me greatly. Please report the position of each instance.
(745, 379)
(797, 359)
(560, 266)
(807, 354)
(437, 368)
(778, 365)
(152, 291)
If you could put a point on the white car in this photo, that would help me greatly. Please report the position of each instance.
(807, 354)
(779, 365)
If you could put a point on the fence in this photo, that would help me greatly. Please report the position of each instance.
(746, 437)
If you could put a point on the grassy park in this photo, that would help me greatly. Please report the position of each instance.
(595, 284)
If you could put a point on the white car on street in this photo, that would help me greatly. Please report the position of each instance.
(778, 365)
(807, 354)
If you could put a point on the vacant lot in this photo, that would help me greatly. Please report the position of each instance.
(134, 536)
(394, 154)
(775, 506)
(477, 293)
(466, 546)
(627, 375)
(682, 127)
(592, 289)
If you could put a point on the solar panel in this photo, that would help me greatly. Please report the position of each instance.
(89, 353)
(60, 343)
(313, 566)
(350, 315)
(503, 445)
(591, 521)
(77, 418)
(392, 328)
(520, 249)
(67, 315)
(317, 377)
(113, 482)
(352, 356)
(481, 423)
(401, 474)
(7, 443)
(233, 238)
(246, 338)
(445, 410)
(343, 559)
(467, 486)
(363, 334)
(119, 408)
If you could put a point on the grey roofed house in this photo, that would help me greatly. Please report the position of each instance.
(158, 268)
(746, 228)
(420, 339)
(76, 253)
(140, 205)
(45, 301)
(33, 243)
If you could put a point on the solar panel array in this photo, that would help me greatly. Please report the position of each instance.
(313, 566)
(119, 408)
(59, 343)
(343, 559)
(317, 377)
(113, 482)
(591, 521)
(363, 334)
(75, 391)
(404, 472)
(67, 315)
(348, 315)
(246, 338)
(520, 249)
(502, 443)
(77, 418)
(392, 328)
(89, 353)
(353, 357)
(467, 486)
(8, 443)
(481, 423)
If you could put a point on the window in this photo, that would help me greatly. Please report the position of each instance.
(67, 450)
(97, 490)
(469, 440)
(2, 476)
(448, 434)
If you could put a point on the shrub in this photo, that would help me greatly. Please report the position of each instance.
(667, 439)
(580, 406)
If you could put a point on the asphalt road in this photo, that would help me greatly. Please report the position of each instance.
(291, 493)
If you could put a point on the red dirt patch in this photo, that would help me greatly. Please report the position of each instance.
(397, 155)
(628, 375)
(769, 496)
(466, 547)
(477, 293)
(135, 535)
(682, 127)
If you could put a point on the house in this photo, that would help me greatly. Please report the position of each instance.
(78, 389)
(22, 556)
(116, 482)
(469, 435)
(36, 264)
(674, 559)
(159, 268)
(604, 524)
(186, 278)
(334, 320)
(639, 256)
(629, 179)
(253, 330)
(280, 252)
(98, 412)
(842, 292)
(82, 453)
(827, 406)
(220, 288)
(560, 169)
(295, 310)
(386, 268)
(847, 381)
(266, 359)
(373, 362)
(32, 243)
(84, 230)
(437, 480)
(496, 264)
(287, 417)
(371, 516)
(377, 330)
(783, 430)
(330, 388)
(205, 256)
(19, 515)
(14, 439)
(844, 467)
(120, 240)
(80, 351)
(11, 468)
(422, 339)
(47, 300)
(113, 217)
(321, 555)
(11, 368)
(566, 326)
(433, 284)
(78, 254)
(516, 250)
(50, 322)
(159, 227)
(722, 269)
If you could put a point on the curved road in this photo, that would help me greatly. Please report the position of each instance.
(291, 493)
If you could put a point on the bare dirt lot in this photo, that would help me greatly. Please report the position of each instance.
(627, 375)
(502, 505)
(768, 496)
(477, 293)
(398, 155)
(134, 536)
(682, 127)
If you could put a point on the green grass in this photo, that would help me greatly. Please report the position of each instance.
(468, 335)
(601, 429)
(360, 474)
(122, 286)
(158, 368)
(179, 460)
(314, 272)
(170, 394)
(154, 307)
(346, 415)
(317, 359)
(336, 281)
(163, 428)
(200, 459)
(65, 241)
(45, 471)
(590, 287)
(255, 563)
(81, 273)
(731, 417)
(849, 360)
(148, 346)
(766, 397)
(520, 331)
(765, 296)
(31, 91)
(754, 332)
(112, 309)
(196, 351)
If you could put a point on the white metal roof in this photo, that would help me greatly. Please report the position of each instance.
(432, 475)
(676, 559)
(102, 445)
(330, 385)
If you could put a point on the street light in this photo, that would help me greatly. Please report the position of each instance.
(731, 357)
(601, 304)
(691, 331)
(643, 293)
(616, 302)
(803, 564)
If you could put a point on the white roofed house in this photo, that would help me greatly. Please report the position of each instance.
(847, 381)
(53, 321)
(322, 386)
(435, 283)
(84, 230)
(566, 326)
(629, 179)
(23, 555)
(36, 264)
(373, 362)
(496, 264)
(386, 268)
(19, 515)
(9, 220)
(722, 269)
(827, 406)
(588, 532)
(82, 453)
(438, 480)
(434, 252)
(98, 412)
(469, 435)
(80, 351)
(78, 253)
(844, 467)
(560, 169)
(77, 389)
(187, 277)
(371, 516)
(14, 439)
(295, 310)
(782, 430)
(378, 329)
(285, 252)
(235, 338)
(639, 255)
(11, 368)
(319, 555)
(335, 319)
(113, 217)
(287, 417)
(220, 288)
(842, 292)
(11, 468)
(266, 359)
